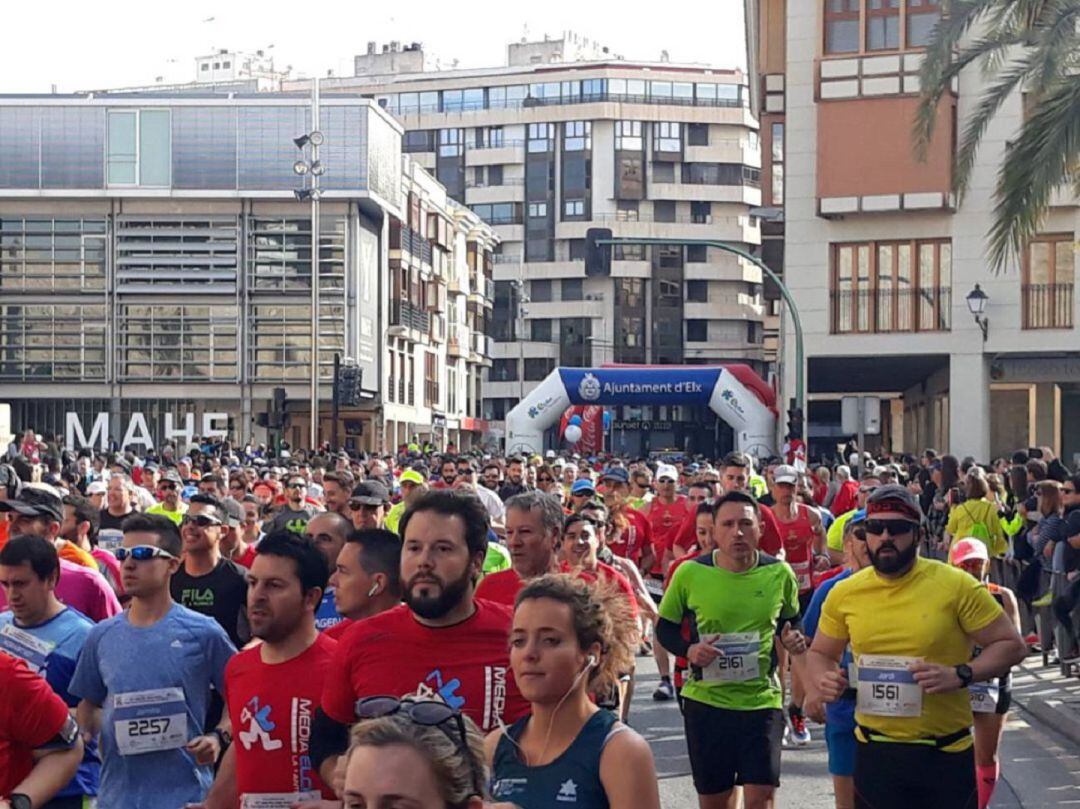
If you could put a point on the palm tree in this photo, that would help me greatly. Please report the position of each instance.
(1030, 45)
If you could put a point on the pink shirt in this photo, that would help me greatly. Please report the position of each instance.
(83, 589)
(110, 569)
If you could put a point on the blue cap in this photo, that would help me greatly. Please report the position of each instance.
(581, 486)
(616, 473)
(858, 516)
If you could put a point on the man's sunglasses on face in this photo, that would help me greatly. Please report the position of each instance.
(167, 486)
(896, 528)
(296, 484)
(200, 521)
(142, 553)
(545, 479)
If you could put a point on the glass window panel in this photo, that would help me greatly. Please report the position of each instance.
(1040, 267)
(927, 288)
(122, 149)
(885, 288)
(842, 36)
(904, 288)
(155, 139)
(920, 27)
(863, 288)
(1064, 267)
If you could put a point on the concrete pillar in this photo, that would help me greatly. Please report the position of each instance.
(1046, 416)
(969, 411)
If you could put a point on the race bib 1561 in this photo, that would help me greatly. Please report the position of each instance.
(885, 687)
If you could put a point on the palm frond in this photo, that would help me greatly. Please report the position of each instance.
(1058, 44)
(1044, 156)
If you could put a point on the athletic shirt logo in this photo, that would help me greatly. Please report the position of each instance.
(567, 792)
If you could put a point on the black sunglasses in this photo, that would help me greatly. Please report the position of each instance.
(426, 713)
(296, 485)
(200, 521)
(896, 528)
(167, 485)
(545, 480)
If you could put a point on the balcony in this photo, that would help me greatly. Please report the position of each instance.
(458, 340)
(625, 224)
(511, 189)
(404, 317)
(701, 192)
(1047, 306)
(438, 328)
(886, 311)
(507, 152)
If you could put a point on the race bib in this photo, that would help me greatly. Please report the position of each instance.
(276, 800)
(655, 587)
(110, 539)
(150, 721)
(886, 688)
(802, 575)
(738, 660)
(984, 696)
(21, 644)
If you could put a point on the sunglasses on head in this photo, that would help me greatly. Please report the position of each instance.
(200, 521)
(896, 528)
(141, 553)
(426, 713)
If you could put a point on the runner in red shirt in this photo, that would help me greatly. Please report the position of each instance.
(804, 548)
(34, 723)
(273, 689)
(632, 537)
(366, 578)
(534, 524)
(666, 512)
(442, 642)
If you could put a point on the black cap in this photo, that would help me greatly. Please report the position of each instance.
(36, 501)
(370, 493)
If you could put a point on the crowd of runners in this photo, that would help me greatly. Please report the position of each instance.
(221, 627)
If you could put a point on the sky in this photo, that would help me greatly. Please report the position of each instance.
(115, 43)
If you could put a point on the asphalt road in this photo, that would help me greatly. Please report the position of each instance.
(1040, 768)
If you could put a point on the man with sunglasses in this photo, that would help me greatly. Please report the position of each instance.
(144, 681)
(206, 581)
(1065, 604)
(296, 512)
(369, 502)
(274, 688)
(466, 481)
(911, 624)
(170, 505)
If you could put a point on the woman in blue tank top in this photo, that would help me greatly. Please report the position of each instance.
(569, 639)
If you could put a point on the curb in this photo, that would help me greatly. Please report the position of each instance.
(1057, 714)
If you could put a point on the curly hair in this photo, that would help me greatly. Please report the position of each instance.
(601, 614)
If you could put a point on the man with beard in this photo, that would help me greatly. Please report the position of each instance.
(337, 486)
(442, 642)
(515, 479)
(274, 688)
(296, 513)
(911, 624)
(447, 474)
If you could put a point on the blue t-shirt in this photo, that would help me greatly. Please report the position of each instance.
(840, 714)
(184, 650)
(327, 615)
(54, 655)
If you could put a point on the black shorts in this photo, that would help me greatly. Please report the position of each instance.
(804, 601)
(893, 775)
(732, 747)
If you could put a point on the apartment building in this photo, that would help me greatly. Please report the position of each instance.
(566, 137)
(156, 271)
(880, 255)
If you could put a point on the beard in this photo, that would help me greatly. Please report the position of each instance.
(893, 564)
(433, 607)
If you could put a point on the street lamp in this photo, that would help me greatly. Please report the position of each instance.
(316, 169)
(976, 302)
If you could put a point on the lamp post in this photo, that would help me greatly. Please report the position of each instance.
(976, 302)
(316, 169)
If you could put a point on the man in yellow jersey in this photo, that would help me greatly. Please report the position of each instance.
(911, 623)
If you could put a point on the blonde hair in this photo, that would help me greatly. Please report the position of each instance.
(600, 614)
(457, 770)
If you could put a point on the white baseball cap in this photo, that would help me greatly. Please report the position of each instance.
(786, 474)
(97, 487)
(667, 471)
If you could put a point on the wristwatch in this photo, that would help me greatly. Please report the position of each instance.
(18, 800)
(963, 671)
(223, 736)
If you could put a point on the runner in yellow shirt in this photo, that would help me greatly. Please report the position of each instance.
(911, 624)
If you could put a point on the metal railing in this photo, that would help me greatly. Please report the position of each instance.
(507, 181)
(583, 98)
(886, 311)
(1047, 306)
(409, 316)
(505, 144)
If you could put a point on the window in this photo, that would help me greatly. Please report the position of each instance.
(663, 210)
(217, 65)
(205, 66)
(697, 134)
(778, 164)
(123, 155)
(841, 26)
(451, 142)
(491, 138)
(540, 291)
(628, 252)
(495, 175)
(667, 137)
(593, 89)
(697, 331)
(537, 209)
(627, 210)
(541, 137)
(629, 292)
(697, 291)
(140, 147)
(431, 380)
(577, 136)
(1048, 278)
(540, 330)
(922, 16)
(882, 25)
(663, 172)
(628, 136)
(536, 368)
(896, 286)
(498, 213)
(577, 249)
(226, 65)
(573, 209)
(418, 140)
(720, 174)
(696, 254)
(701, 213)
(573, 289)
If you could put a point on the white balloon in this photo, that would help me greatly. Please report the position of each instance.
(572, 433)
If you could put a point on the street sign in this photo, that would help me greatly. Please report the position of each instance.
(868, 406)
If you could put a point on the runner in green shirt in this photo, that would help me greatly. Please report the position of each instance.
(736, 600)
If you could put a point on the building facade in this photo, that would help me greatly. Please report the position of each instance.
(156, 266)
(881, 256)
(547, 147)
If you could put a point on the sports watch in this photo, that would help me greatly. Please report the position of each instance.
(17, 800)
(963, 671)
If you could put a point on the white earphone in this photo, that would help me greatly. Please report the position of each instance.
(374, 589)
(591, 662)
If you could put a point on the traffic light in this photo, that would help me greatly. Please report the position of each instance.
(795, 423)
(349, 381)
(597, 256)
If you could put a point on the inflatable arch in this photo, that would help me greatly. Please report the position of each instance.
(734, 392)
